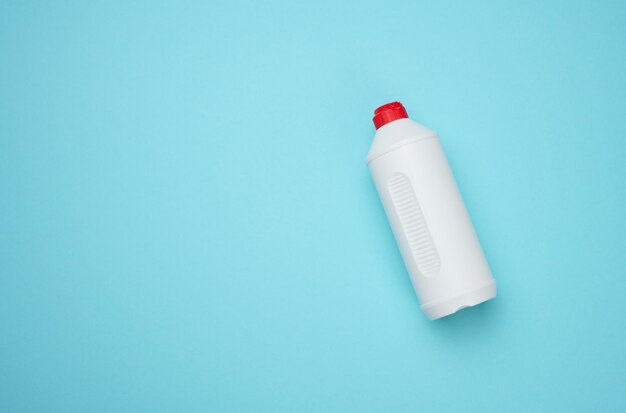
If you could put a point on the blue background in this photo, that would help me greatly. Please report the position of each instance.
(187, 222)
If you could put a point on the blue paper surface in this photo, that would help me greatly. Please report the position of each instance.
(187, 222)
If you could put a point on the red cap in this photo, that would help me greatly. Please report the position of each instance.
(388, 113)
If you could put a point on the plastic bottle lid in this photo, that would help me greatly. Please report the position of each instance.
(388, 113)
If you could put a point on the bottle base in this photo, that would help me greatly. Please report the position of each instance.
(469, 299)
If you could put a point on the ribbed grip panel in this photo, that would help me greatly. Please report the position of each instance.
(413, 224)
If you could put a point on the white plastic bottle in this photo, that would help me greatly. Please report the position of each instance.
(432, 228)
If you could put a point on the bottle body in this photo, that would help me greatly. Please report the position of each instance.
(429, 220)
